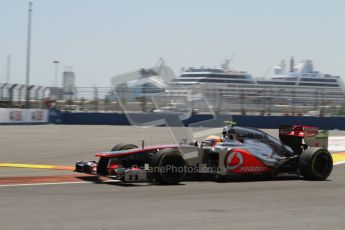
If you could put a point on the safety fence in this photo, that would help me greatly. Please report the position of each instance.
(230, 100)
(16, 95)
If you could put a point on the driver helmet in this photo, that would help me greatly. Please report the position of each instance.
(213, 139)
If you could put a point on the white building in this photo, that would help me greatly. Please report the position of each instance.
(68, 83)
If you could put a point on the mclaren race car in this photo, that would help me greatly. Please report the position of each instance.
(301, 150)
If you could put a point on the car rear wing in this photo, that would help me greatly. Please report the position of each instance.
(298, 136)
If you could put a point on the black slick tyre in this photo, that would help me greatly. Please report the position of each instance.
(168, 167)
(315, 164)
(121, 146)
(103, 161)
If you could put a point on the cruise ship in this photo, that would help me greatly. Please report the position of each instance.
(297, 89)
(297, 86)
(302, 75)
(216, 75)
(299, 75)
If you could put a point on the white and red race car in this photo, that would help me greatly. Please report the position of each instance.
(301, 150)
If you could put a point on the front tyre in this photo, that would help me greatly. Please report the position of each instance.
(102, 166)
(121, 146)
(168, 167)
(315, 164)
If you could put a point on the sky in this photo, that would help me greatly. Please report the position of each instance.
(103, 38)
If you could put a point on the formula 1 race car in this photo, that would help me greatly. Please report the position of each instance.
(301, 150)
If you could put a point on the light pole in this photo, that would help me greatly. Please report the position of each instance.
(27, 82)
(8, 75)
(56, 64)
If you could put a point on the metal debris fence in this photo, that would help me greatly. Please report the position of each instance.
(245, 101)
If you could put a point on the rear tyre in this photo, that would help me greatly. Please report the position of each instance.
(121, 146)
(315, 164)
(168, 167)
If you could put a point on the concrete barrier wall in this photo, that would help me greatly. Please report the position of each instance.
(194, 120)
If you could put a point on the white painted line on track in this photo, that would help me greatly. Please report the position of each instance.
(58, 183)
(339, 163)
(37, 184)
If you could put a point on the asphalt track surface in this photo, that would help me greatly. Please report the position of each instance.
(282, 203)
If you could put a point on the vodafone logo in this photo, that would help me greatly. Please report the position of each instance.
(233, 160)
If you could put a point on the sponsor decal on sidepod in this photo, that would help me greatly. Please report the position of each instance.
(235, 163)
